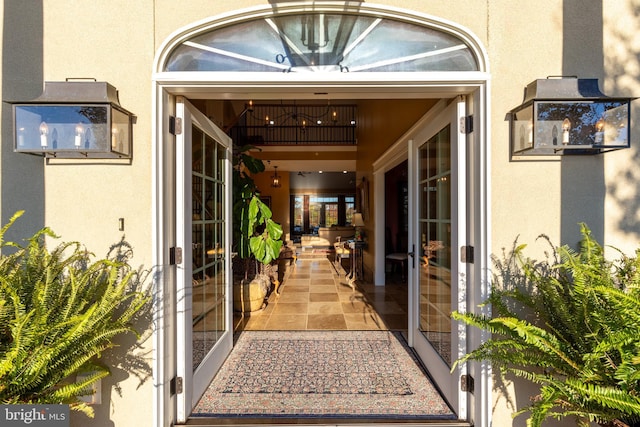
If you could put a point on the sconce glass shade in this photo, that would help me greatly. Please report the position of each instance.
(74, 120)
(569, 116)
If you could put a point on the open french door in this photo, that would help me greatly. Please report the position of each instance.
(437, 207)
(203, 232)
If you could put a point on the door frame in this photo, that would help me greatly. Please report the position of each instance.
(478, 232)
(220, 85)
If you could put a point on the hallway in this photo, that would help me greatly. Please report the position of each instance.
(316, 296)
(324, 353)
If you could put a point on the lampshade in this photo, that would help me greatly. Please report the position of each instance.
(357, 220)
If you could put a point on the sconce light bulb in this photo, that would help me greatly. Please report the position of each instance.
(566, 125)
(114, 137)
(44, 131)
(599, 136)
(334, 116)
(78, 139)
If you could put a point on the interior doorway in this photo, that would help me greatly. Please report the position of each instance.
(396, 224)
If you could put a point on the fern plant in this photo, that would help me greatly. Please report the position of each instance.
(58, 313)
(570, 324)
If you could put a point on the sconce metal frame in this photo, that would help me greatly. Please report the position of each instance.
(568, 115)
(74, 120)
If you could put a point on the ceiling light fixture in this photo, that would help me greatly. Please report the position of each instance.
(284, 124)
(275, 179)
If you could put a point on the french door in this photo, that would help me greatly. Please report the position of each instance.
(203, 232)
(437, 233)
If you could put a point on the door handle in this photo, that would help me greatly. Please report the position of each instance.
(412, 254)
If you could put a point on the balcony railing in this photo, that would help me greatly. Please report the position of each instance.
(293, 124)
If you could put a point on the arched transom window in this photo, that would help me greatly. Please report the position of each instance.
(323, 42)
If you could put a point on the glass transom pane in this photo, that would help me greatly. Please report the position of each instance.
(323, 42)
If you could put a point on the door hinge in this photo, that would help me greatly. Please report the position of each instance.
(466, 383)
(466, 254)
(175, 125)
(175, 256)
(175, 386)
(466, 124)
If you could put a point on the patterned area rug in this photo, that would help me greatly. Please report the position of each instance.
(322, 374)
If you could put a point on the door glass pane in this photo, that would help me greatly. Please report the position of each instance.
(208, 244)
(435, 242)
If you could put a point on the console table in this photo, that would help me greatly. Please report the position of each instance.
(356, 249)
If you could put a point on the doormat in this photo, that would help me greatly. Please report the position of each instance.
(322, 374)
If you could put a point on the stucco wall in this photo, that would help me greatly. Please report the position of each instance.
(21, 177)
(116, 41)
(110, 41)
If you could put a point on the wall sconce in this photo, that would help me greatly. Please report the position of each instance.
(568, 116)
(74, 119)
(275, 183)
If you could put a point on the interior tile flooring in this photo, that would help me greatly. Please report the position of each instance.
(316, 295)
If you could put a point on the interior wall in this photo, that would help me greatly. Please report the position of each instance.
(380, 125)
(279, 197)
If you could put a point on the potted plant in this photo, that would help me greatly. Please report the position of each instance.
(571, 325)
(257, 238)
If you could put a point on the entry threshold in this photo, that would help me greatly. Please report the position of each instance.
(322, 422)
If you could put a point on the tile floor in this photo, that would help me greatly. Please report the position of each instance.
(316, 296)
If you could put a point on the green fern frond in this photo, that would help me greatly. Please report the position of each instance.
(59, 311)
(571, 325)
